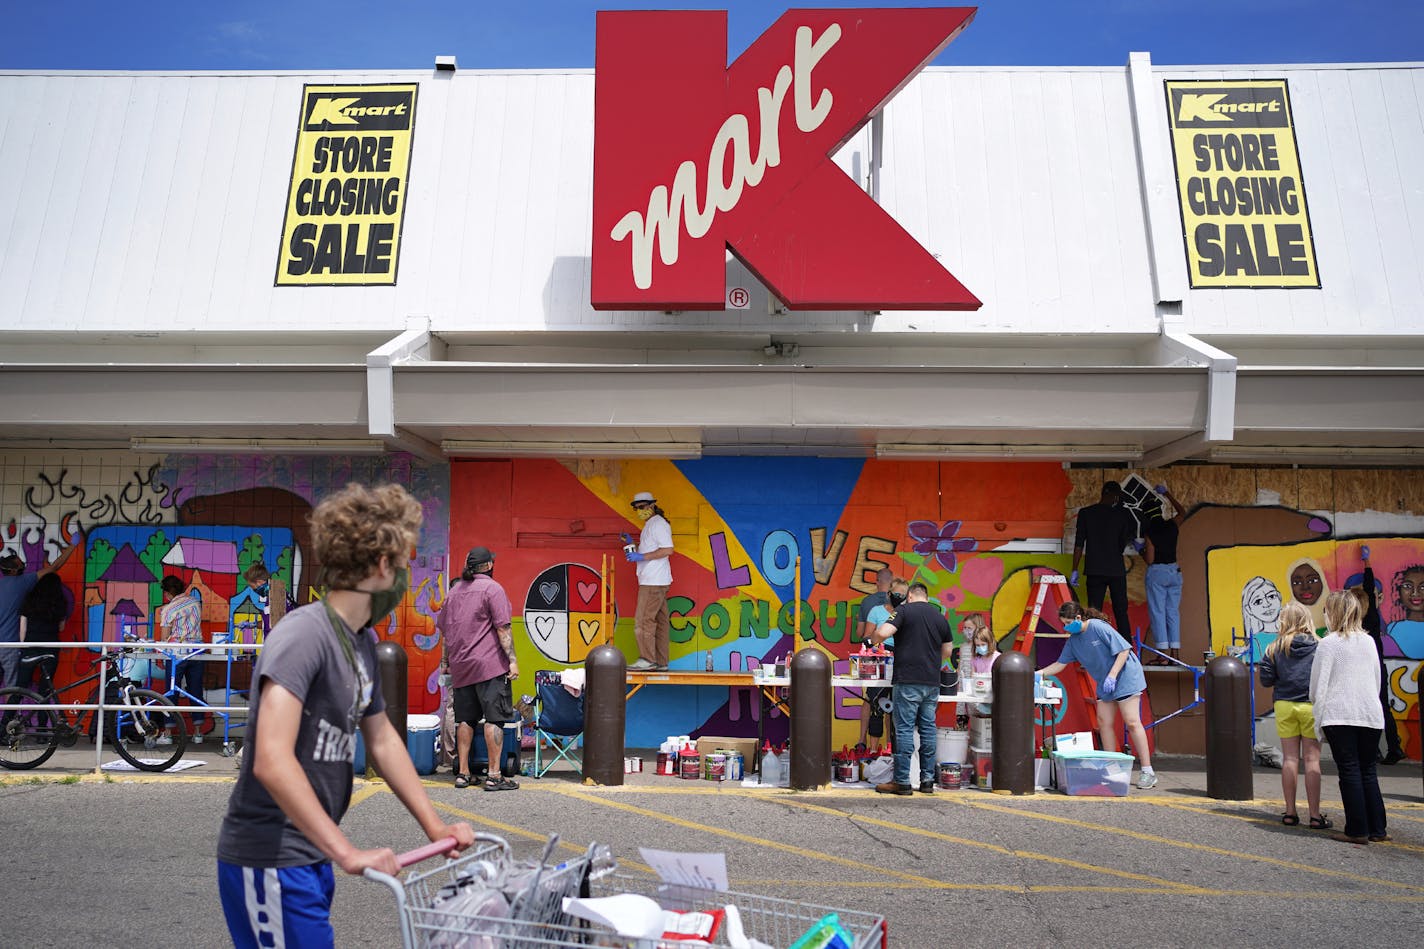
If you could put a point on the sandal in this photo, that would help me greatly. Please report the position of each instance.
(462, 780)
(1321, 823)
(502, 784)
(1290, 820)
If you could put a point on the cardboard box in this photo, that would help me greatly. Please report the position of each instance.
(747, 746)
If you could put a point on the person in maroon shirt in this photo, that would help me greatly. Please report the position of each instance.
(475, 626)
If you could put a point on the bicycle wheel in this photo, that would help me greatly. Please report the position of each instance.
(139, 722)
(27, 736)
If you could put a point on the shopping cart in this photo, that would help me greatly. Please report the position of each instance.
(484, 899)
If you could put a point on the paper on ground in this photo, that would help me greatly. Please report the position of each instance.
(706, 871)
(183, 765)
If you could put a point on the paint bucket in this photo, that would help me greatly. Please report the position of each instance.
(870, 668)
(734, 766)
(667, 763)
(950, 776)
(846, 771)
(690, 765)
(633, 765)
(715, 768)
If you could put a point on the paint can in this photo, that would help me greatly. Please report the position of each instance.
(716, 766)
(633, 765)
(667, 763)
(846, 771)
(734, 765)
(870, 668)
(951, 778)
(690, 765)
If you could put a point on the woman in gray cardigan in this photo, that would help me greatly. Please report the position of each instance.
(1344, 690)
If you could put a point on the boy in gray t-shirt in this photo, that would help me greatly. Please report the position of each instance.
(315, 682)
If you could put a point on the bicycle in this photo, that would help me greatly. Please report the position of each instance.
(28, 737)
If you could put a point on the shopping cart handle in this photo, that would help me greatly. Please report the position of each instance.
(442, 846)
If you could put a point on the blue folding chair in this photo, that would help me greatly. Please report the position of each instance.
(558, 719)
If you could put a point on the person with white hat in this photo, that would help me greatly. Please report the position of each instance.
(651, 626)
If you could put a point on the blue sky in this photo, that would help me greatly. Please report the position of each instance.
(560, 33)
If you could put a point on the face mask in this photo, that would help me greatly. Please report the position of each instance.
(896, 599)
(384, 602)
(643, 513)
(981, 650)
(264, 589)
(1074, 626)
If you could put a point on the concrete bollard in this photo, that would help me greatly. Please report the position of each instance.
(1012, 679)
(395, 689)
(605, 715)
(810, 720)
(1228, 730)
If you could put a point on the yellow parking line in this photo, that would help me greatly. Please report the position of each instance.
(995, 848)
(1189, 845)
(1160, 885)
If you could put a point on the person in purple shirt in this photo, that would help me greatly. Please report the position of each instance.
(474, 625)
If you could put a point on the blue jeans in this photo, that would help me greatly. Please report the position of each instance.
(1164, 604)
(915, 709)
(189, 675)
(1354, 750)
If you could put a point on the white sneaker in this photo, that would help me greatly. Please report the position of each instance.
(197, 738)
(642, 665)
(163, 740)
(1148, 779)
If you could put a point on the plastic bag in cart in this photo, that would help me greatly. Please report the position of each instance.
(482, 902)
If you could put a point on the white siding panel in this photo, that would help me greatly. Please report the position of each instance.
(156, 202)
(41, 127)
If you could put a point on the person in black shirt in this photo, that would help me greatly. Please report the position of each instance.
(1105, 529)
(923, 641)
(1164, 580)
(1369, 606)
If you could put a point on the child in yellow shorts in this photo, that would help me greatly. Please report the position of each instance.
(1285, 667)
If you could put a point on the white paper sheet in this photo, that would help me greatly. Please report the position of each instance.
(705, 870)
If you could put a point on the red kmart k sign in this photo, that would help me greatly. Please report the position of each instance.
(692, 156)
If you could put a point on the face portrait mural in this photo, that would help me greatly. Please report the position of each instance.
(1308, 588)
(1405, 635)
(1260, 613)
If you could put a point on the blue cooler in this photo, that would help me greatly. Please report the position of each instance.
(509, 752)
(420, 734)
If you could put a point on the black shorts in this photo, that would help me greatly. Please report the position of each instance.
(491, 701)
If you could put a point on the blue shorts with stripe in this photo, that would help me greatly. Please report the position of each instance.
(278, 908)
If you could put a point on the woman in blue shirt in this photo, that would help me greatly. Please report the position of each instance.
(1108, 658)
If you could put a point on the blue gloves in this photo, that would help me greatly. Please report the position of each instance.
(627, 538)
(635, 557)
(1139, 545)
(1110, 685)
(1073, 579)
(1365, 553)
(1160, 489)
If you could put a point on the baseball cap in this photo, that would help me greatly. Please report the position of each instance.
(479, 555)
(642, 496)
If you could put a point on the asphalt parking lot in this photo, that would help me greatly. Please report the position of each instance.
(128, 859)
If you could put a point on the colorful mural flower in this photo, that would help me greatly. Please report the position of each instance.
(942, 542)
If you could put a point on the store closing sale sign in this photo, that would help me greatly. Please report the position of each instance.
(347, 194)
(1239, 184)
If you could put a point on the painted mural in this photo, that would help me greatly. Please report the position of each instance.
(1249, 583)
(759, 542)
(206, 520)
